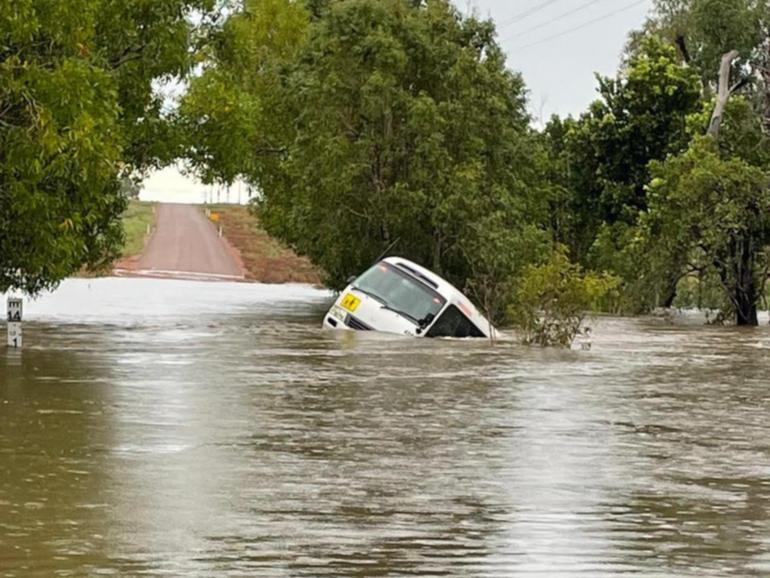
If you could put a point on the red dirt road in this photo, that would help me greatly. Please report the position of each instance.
(187, 245)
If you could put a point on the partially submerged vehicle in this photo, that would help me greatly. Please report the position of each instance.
(398, 296)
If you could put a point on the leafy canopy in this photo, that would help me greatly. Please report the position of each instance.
(600, 162)
(77, 113)
(715, 213)
(376, 123)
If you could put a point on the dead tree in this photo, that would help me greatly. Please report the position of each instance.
(724, 92)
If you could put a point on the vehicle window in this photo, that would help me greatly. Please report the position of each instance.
(400, 292)
(453, 323)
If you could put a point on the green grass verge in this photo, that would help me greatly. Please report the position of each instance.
(136, 219)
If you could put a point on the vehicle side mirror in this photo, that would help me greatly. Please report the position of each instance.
(427, 321)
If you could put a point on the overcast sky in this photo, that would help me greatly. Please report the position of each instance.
(558, 65)
(557, 45)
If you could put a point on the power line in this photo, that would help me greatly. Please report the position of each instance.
(527, 13)
(556, 19)
(584, 25)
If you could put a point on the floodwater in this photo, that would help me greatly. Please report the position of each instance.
(186, 429)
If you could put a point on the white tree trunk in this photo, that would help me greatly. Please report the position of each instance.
(724, 93)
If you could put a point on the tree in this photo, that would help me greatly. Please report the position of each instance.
(236, 117)
(553, 300)
(77, 113)
(705, 30)
(603, 157)
(571, 171)
(390, 122)
(710, 215)
(728, 43)
(143, 44)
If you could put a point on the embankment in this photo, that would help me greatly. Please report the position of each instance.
(265, 259)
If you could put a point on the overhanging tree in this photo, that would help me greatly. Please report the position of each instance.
(390, 122)
(78, 112)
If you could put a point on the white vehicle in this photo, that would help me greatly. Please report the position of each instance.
(398, 296)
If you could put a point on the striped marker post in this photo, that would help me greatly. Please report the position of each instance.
(14, 322)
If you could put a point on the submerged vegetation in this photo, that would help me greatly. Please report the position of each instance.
(376, 125)
(553, 300)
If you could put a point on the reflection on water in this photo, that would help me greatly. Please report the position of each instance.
(156, 427)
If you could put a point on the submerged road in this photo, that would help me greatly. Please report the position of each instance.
(164, 429)
(186, 244)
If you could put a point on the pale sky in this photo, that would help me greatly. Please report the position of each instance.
(558, 65)
(557, 45)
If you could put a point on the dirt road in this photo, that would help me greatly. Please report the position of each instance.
(186, 244)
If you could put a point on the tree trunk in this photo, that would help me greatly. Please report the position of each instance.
(723, 94)
(668, 298)
(765, 71)
(746, 294)
(437, 249)
(746, 313)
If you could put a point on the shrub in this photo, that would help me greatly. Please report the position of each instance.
(554, 299)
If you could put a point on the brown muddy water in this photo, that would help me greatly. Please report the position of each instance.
(187, 429)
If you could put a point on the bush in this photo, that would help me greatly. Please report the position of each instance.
(553, 300)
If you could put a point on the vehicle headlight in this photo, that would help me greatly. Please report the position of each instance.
(337, 312)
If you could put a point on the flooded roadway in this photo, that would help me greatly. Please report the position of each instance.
(176, 428)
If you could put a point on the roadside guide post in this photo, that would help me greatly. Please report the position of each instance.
(14, 322)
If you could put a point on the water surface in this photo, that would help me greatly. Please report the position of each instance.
(175, 428)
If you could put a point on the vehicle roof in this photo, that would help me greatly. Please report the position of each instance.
(444, 288)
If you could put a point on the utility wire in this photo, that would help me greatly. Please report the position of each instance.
(526, 13)
(556, 19)
(584, 25)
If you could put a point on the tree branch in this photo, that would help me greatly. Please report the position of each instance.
(739, 85)
(129, 54)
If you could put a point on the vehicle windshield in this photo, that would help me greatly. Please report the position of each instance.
(401, 293)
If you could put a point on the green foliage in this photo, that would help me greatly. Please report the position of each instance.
(574, 197)
(728, 180)
(58, 150)
(381, 122)
(142, 44)
(709, 28)
(553, 300)
(640, 118)
(77, 112)
(235, 116)
(710, 215)
(602, 159)
(497, 257)
(137, 218)
(600, 162)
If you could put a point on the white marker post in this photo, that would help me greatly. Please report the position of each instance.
(14, 322)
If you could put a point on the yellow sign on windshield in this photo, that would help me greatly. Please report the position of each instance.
(350, 302)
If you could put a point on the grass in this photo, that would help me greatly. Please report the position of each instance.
(136, 219)
(266, 259)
